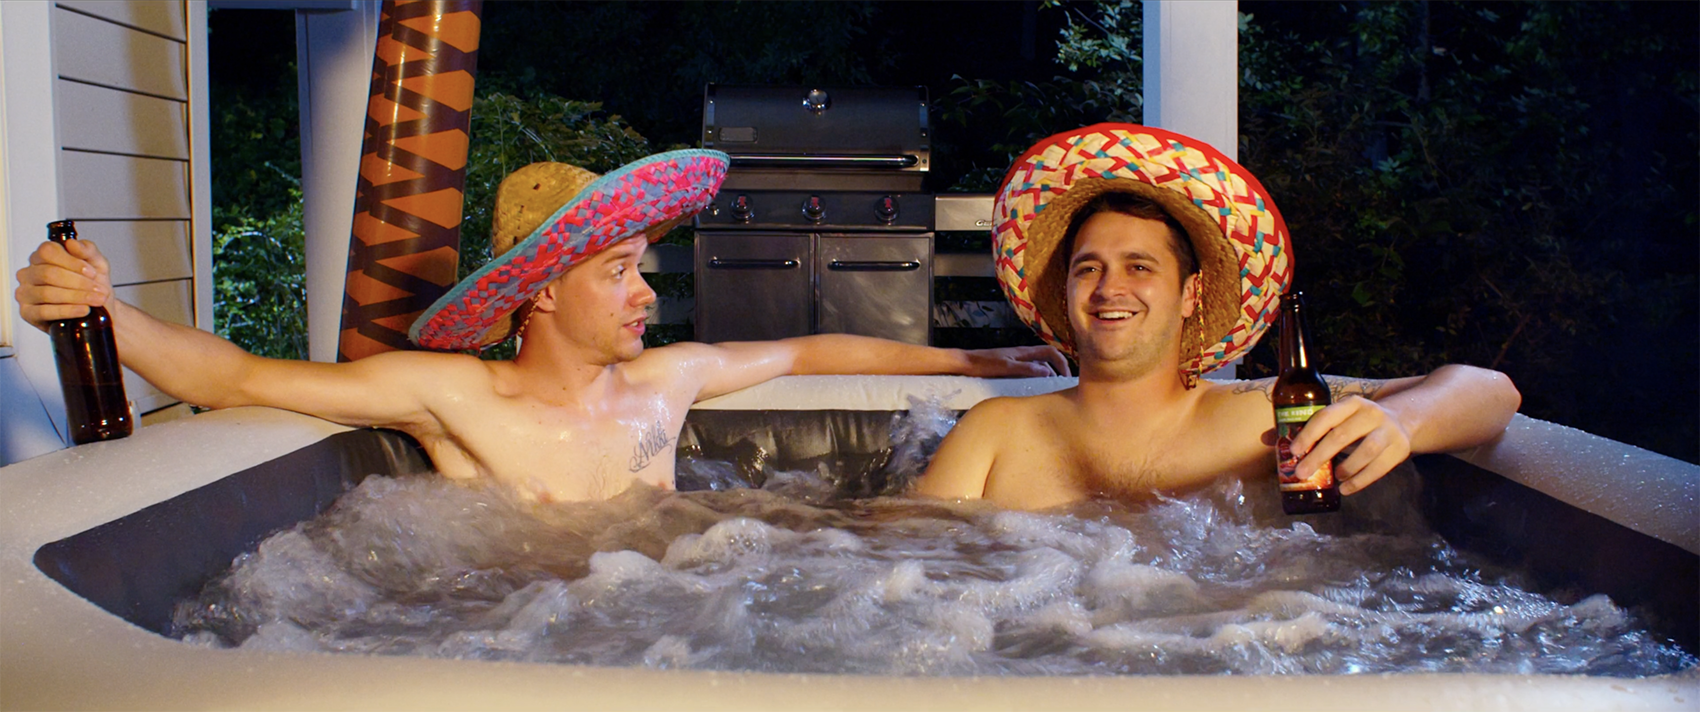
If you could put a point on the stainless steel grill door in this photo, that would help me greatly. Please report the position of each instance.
(875, 286)
(753, 286)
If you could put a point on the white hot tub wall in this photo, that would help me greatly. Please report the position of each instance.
(57, 650)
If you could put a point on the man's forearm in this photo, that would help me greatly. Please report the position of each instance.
(185, 362)
(731, 366)
(835, 354)
(1454, 407)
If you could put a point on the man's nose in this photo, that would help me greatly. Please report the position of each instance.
(644, 295)
(1112, 283)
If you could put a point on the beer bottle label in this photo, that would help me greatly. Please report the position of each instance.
(1288, 423)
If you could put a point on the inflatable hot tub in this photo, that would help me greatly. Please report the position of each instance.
(97, 542)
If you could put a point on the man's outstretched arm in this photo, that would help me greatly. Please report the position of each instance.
(728, 367)
(1453, 408)
(63, 281)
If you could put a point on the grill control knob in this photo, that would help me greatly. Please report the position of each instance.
(886, 209)
(813, 210)
(741, 210)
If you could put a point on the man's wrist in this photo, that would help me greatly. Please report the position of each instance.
(967, 363)
(114, 306)
(1407, 419)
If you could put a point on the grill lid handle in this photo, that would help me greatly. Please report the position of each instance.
(873, 266)
(785, 160)
(735, 263)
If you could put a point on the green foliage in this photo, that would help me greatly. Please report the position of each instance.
(259, 263)
(1108, 40)
(996, 121)
(260, 283)
(1456, 194)
(992, 122)
(509, 133)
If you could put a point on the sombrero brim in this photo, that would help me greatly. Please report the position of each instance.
(1238, 235)
(627, 201)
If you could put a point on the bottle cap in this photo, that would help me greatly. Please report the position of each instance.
(62, 230)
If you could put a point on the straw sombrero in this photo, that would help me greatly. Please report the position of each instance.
(1240, 240)
(565, 214)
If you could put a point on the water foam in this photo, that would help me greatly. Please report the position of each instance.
(788, 578)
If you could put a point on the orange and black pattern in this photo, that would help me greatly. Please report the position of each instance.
(407, 209)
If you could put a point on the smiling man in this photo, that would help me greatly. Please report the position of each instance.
(583, 411)
(1155, 259)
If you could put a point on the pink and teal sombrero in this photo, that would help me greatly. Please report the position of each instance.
(565, 214)
(1243, 250)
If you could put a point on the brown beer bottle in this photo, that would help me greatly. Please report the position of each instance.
(1299, 393)
(87, 353)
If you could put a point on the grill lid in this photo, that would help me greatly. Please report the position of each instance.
(811, 129)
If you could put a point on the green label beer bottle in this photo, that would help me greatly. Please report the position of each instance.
(1299, 393)
(87, 354)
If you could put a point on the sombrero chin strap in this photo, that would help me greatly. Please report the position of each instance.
(530, 308)
(1191, 373)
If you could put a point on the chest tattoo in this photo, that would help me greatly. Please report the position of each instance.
(652, 441)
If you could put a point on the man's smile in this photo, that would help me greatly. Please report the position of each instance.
(1112, 313)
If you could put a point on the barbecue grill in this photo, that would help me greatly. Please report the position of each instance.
(823, 224)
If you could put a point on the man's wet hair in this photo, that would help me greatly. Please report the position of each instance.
(1138, 206)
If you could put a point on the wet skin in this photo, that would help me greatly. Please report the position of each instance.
(583, 411)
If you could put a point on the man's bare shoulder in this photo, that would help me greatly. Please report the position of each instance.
(1000, 413)
(675, 360)
(674, 353)
(1247, 395)
(986, 433)
(1234, 401)
(1239, 390)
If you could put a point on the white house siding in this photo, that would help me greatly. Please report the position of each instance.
(129, 131)
(120, 171)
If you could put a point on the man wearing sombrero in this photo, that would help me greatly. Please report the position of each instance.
(583, 411)
(1154, 259)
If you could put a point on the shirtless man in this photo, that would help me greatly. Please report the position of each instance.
(1134, 228)
(583, 411)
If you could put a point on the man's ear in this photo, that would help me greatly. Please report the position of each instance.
(545, 300)
(1190, 294)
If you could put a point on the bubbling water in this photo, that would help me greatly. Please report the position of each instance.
(790, 578)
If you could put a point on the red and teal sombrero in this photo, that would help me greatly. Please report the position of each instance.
(565, 214)
(1243, 250)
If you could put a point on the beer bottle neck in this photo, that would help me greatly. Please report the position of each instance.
(1295, 342)
(1300, 349)
(1288, 343)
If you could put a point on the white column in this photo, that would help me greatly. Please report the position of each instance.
(1192, 70)
(334, 64)
(32, 409)
(1192, 78)
(200, 163)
